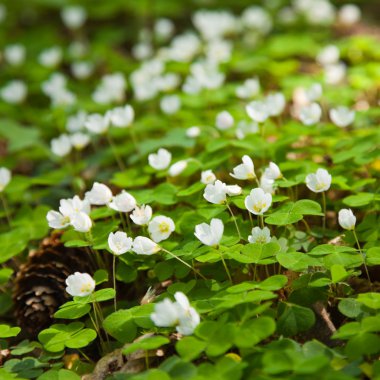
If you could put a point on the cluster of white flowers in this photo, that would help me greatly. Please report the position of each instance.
(272, 105)
(110, 89)
(56, 89)
(179, 313)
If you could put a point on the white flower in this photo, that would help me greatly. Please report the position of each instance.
(342, 116)
(329, 55)
(233, 190)
(273, 171)
(61, 146)
(160, 160)
(318, 182)
(258, 111)
(15, 54)
(216, 193)
(257, 18)
(188, 317)
(14, 92)
(170, 104)
(80, 284)
(144, 246)
(141, 215)
(69, 207)
(208, 177)
(81, 222)
(246, 128)
(258, 201)
(248, 89)
(79, 140)
(163, 28)
(177, 168)
(122, 117)
(347, 219)
(111, 89)
(267, 184)
(160, 228)
(310, 114)
(97, 123)
(335, 73)
(5, 178)
(76, 122)
(165, 313)
(349, 14)
(259, 235)
(56, 220)
(50, 57)
(119, 242)
(224, 120)
(314, 92)
(246, 170)
(193, 132)
(275, 103)
(82, 70)
(123, 202)
(210, 234)
(100, 194)
(73, 16)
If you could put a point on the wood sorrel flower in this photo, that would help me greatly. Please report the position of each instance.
(160, 160)
(246, 170)
(141, 215)
(144, 246)
(119, 242)
(80, 284)
(224, 120)
(318, 182)
(347, 219)
(160, 228)
(342, 116)
(310, 114)
(121, 117)
(258, 201)
(216, 192)
(123, 202)
(5, 177)
(259, 235)
(208, 177)
(210, 234)
(100, 194)
(272, 171)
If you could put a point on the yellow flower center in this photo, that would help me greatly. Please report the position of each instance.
(164, 227)
(320, 186)
(86, 288)
(259, 206)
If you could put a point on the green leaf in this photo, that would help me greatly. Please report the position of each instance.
(120, 325)
(100, 276)
(338, 273)
(72, 310)
(362, 344)
(371, 300)
(5, 275)
(257, 253)
(373, 256)
(359, 200)
(189, 347)
(98, 296)
(254, 331)
(7, 331)
(59, 374)
(147, 343)
(294, 319)
(350, 307)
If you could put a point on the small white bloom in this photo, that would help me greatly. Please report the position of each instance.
(144, 246)
(15, 54)
(275, 103)
(122, 117)
(259, 235)
(193, 132)
(208, 177)
(216, 193)
(233, 190)
(61, 146)
(314, 92)
(79, 140)
(210, 234)
(56, 220)
(177, 168)
(119, 242)
(246, 128)
(165, 313)
(163, 28)
(272, 171)
(267, 184)
(50, 57)
(188, 317)
(258, 201)
(81, 222)
(170, 104)
(349, 14)
(141, 215)
(160, 228)
(224, 120)
(80, 284)
(5, 178)
(248, 89)
(246, 170)
(97, 123)
(310, 114)
(347, 219)
(82, 70)
(73, 16)
(100, 194)
(329, 55)
(123, 202)
(258, 111)
(318, 182)
(14, 92)
(342, 116)
(75, 123)
(69, 207)
(160, 160)
(335, 73)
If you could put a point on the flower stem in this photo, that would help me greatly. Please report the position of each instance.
(250, 218)
(234, 219)
(184, 262)
(324, 211)
(5, 207)
(134, 140)
(261, 217)
(114, 151)
(361, 252)
(225, 266)
(114, 278)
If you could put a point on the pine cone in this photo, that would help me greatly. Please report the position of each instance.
(39, 287)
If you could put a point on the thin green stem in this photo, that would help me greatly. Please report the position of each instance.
(234, 219)
(5, 207)
(114, 151)
(123, 221)
(361, 252)
(250, 218)
(261, 218)
(114, 278)
(134, 139)
(324, 211)
(225, 266)
(184, 262)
